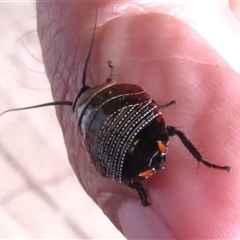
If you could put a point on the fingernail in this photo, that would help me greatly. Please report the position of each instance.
(138, 222)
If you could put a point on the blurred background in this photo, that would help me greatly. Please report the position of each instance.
(40, 197)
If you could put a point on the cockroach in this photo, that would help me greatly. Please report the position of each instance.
(124, 130)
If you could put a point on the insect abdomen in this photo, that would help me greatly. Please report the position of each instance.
(118, 134)
(116, 115)
(107, 116)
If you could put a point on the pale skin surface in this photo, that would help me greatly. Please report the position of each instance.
(172, 61)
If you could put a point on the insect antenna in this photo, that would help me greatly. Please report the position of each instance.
(89, 53)
(84, 86)
(58, 103)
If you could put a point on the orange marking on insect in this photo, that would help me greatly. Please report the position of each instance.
(146, 173)
(162, 148)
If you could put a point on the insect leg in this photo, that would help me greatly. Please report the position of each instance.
(167, 104)
(141, 192)
(193, 150)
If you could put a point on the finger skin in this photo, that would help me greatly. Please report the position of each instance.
(172, 62)
(235, 7)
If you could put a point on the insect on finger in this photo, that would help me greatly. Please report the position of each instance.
(124, 130)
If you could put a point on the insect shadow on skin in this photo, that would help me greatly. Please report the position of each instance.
(127, 128)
